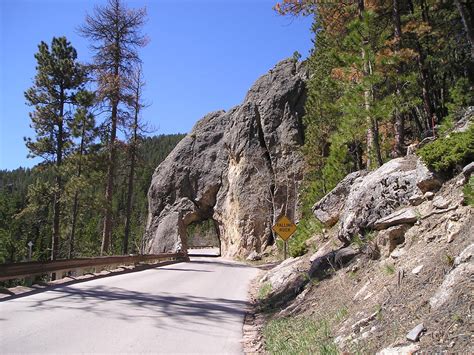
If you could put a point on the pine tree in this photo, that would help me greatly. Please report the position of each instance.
(59, 76)
(136, 128)
(84, 130)
(466, 11)
(115, 32)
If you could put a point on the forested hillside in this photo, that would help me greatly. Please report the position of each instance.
(383, 75)
(26, 207)
(87, 197)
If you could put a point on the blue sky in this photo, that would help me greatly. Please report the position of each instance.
(203, 56)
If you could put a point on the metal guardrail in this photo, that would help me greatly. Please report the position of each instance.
(26, 269)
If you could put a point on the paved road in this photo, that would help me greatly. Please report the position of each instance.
(193, 307)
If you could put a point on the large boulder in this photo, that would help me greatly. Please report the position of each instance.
(240, 168)
(334, 260)
(361, 199)
(328, 209)
(286, 280)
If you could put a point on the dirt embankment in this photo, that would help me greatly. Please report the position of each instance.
(400, 287)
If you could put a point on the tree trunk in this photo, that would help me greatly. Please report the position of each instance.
(378, 154)
(424, 11)
(370, 132)
(419, 126)
(358, 155)
(467, 22)
(107, 231)
(399, 124)
(431, 118)
(75, 207)
(57, 195)
(131, 174)
(424, 76)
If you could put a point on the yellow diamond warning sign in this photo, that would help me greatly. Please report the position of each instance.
(284, 227)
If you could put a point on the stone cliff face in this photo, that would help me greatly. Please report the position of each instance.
(240, 168)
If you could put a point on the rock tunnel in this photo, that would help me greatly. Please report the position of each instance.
(237, 170)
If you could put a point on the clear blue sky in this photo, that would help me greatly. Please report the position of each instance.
(203, 56)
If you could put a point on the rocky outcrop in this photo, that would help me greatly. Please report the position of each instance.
(375, 195)
(403, 216)
(390, 238)
(334, 260)
(241, 168)
(286, 280)
(405, 281)
(328, 209)
(462, 272)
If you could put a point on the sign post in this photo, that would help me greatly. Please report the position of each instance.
(30, 250)
(285, 228)
(29, 280)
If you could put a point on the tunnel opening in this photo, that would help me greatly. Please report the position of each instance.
(202, 238)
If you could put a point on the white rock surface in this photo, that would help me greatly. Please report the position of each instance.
(417, 270)
(400, 350)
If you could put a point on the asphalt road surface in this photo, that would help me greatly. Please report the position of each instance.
(195, 307)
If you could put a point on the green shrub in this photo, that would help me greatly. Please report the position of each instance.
(469, 192)
(445, 154)
(298, 336)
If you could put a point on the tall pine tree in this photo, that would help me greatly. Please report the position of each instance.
(59, 76)
(116, 37)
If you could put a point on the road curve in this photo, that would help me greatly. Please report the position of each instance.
(195, 307)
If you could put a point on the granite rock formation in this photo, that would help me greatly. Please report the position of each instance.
(361, 199)
(240, 168)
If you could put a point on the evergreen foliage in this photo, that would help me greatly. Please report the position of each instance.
(59, 78)
(469, 192)
(450, 152)
(202, 234)
(383, 75)
(27, 195)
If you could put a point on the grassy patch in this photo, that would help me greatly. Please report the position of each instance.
(341, 314)
(449, 260)
(298, 336)
(264, 291)
(360, 241)
(389, 269)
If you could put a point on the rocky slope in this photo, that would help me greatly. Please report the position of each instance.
(393, 273)
(240, 168)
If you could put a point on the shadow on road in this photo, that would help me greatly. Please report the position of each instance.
(42, 287)
(133, 305)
